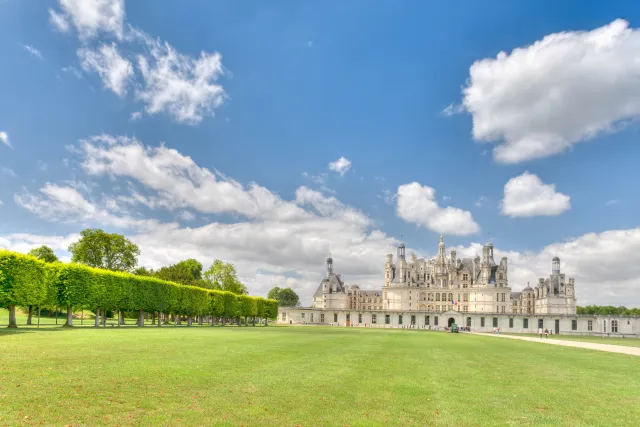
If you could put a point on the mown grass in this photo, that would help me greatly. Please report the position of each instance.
(629, 342)
(309, 376)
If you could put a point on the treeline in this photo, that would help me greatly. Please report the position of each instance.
(608, 310)
(26, 281)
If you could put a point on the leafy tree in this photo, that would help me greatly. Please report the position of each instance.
(286, 297)
(187, 272)
(222, 276)
(44, 253)
(143, 271)
(109, 251)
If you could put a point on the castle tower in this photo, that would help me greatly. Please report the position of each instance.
(329, 266)
(402, 263)
(388, 270)
(555, 265)
(487, 262)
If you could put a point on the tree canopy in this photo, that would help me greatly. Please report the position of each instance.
(608, 310)
(187, 272)
(286, 297)
(44, 253)
(109, 251)
(222, 276)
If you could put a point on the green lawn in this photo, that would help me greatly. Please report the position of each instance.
(630, 342)
(310, 376)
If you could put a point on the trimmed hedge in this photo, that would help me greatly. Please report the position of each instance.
(25, 280)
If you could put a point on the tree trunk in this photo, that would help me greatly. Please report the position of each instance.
(120, 318)
(213, 320)
(246, 321)
(104, 317)
(159, 319)
(38, 316)
(153, 318)
(224, 321)
(141, 318)
(69, 323)
(97, 324)
(189, 320)
(12, 317)
(57, 311)
(30, 315)
(82, 317)
(200, 320)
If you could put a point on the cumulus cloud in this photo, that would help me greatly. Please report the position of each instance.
(526, 195)
(33, 51)
(4, 138)
(89, 17)
(341, 166)
(541, 99)
(417, 204)
(136, 115)
(114, 70)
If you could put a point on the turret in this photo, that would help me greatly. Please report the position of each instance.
(555, 265)
(329, 266)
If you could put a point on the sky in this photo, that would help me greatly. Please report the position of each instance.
(272, 134)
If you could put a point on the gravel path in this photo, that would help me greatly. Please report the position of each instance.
(634, 351)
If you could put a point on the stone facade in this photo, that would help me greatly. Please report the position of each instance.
(628, 326)
(470, 285)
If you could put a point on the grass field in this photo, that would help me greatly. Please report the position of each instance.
(309, 376)
(629, 342)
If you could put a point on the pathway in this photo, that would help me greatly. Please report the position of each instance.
(634, 351)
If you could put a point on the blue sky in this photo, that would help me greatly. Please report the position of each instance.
(230, 156)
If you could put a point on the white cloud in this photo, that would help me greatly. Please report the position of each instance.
(186, 216)
(446, 198)
(452, 109)
(136, 115)
(612, 202)
(114, 70)
(73, 71)
(341, 166)
(388, 196)
(4, 138)
(417, 204)
(569, 87)
(289, 239)
(90, 17)
(33, 51)
(526, 195)
(184, 87)
(481, 201)
(9, 172)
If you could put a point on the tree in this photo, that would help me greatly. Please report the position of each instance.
(44, 253)
(222, 276)
(285, 297)
(187, 272)
(143, 271)
(109, 251)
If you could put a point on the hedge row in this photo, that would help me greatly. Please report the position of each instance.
(27, 281)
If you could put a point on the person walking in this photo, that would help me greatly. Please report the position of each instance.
(540, 332)
(546, 333)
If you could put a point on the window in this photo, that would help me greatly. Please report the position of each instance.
(465, 285)
(495, 322)
(465, 297)
(435, 320)
(540, 324)
(437, 308)
(359, 318)
(511, 322)
(465, 308)
(465, 276)
(500, 276)
(413, 319)
(400, 319)
(387, 319)
(302, 316)
(426, 320)
(469, 322)
(335, 317)
(614, 326)
(321, 317)
(589, 325)
(374, 318)
(503, 297)
(482, 322)
(311, 317)
(450, 297)
(437, 297)
(525, 323)
(504, 307)
(284, 316)
(574, 325)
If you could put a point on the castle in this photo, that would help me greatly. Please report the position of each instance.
(448, 283)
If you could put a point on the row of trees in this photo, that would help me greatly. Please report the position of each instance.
(608, 310)
(27, 281)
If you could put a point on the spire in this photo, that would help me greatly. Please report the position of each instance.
(441, 240)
